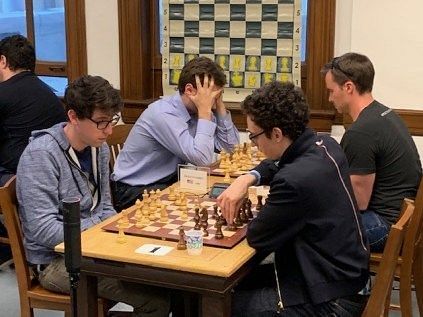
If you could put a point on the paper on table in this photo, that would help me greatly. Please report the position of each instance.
(154, 249)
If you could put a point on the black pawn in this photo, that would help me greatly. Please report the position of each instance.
(219, 234)
(182, 244)
(205, 225)
(197, 225)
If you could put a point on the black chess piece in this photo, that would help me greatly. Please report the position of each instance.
(215, 214)
(182, 244)
(204, 221)
(237, 221)
(197, 225)
(242, 215)
(223, 220)
(219, 234)
(205, 231)
(259, 205)
(197, 218)
(204, 214)
(249, 212)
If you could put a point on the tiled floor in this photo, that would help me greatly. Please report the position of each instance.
(9, 299)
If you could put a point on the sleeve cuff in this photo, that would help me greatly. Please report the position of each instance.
(257, 176)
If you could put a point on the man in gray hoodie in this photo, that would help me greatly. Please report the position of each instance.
(72, 160)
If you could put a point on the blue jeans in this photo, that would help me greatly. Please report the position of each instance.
(377, 230)
(263, 302)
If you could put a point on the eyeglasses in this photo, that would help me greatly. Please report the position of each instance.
(252, 136)
(335, 65)
(102, 125)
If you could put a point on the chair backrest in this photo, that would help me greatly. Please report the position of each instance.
(385, 273)
(8, 203)
(116, 141)
(416, 228)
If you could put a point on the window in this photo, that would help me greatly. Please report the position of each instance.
(44, 23)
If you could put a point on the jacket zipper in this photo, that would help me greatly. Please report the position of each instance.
(84, 176)
(280, 303)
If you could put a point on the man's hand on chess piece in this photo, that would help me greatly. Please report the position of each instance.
(232, 198)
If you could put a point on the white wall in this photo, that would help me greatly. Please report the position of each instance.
(390, 33)
(103, 39)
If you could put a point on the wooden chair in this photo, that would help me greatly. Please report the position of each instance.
(31, 293)
(116, 141)
(378, 304)
(407, 268)
(4, 240)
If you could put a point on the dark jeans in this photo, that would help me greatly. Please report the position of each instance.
(256, 296)
(377, 230)
(124, 195)
(263, 302)
(146, 300)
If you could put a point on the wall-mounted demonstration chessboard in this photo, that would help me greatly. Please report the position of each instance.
(254, 41)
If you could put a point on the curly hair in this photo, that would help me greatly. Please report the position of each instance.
(89, 93)
(280, 105)
(200, 66)
(352, 66)
(19, 52)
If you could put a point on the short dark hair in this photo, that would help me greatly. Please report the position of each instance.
(19, 52)
(89, 93)
(200, 66)
(352, 66)
(280, 105)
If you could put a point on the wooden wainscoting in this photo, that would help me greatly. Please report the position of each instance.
(320, 120)
(412, 118)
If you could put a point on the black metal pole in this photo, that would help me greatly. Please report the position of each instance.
(72, 240)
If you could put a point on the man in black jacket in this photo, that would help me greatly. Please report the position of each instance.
(310, 218)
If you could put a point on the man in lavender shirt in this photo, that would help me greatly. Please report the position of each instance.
(187, 127)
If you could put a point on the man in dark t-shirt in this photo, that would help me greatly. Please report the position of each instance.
(384, 163)
(26, 103)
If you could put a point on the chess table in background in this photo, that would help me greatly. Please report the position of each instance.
(254, 41)
(170, 230)
(239, 162)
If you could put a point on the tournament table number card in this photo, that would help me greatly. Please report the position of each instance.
(254, 41)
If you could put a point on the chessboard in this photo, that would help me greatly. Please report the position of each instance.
(169, 229)
(254, 41)
(237, 163)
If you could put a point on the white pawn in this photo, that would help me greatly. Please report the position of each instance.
(163, 214)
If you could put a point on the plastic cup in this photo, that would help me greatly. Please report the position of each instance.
(194, 241)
